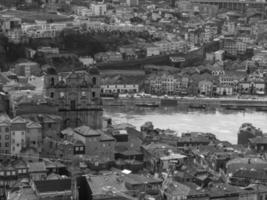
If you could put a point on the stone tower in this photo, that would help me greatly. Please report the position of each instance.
(77, 95)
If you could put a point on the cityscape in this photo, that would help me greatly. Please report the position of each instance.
(133, 99)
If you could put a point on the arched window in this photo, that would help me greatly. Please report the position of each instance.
(94, 80)
(52, 81)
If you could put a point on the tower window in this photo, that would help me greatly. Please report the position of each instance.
(94, 80)
(52, 81)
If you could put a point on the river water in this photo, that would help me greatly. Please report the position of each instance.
(223, 123)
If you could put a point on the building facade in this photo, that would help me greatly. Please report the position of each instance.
(77, 95)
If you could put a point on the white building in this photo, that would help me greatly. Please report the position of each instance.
(98, 9)
(132, 2)
(82, 11)
(219, 55)
(170, 46)
(87, 61)
(224, 90)
(119, 88)
(152, 50)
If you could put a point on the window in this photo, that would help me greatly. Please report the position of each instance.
(49, 125)
(52, 94)
(83, 93)
(81, 149)
(93, 94)
(94, 80)
(52, 81)
(18, 145)
(72, 105)
(13, 141)
(7, 137)
(13, 173)
(61, 94)
(7, 129)
(13, 133)
(1, 173)
(8, 173)
(76, 148)
(6, 144)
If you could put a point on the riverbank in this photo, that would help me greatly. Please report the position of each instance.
(259, 104)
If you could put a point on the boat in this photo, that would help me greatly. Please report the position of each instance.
(197, 106)
(153, 105)
(234, 108)
(261, 109)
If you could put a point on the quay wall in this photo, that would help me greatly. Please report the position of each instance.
(209, 102)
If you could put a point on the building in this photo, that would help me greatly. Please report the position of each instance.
(205, 87)
(210, 32)
(248, 163)
(98, 9)
(229, 46)
(168, 47)
(119, 186)
(48, 50)
(224, 90)
(246, 132)
(119, 85)
(53, 189)
(18, 131)
(244, 177)
(232, 4)
(132, 2)
(152, 50)
(219, 55)
(11, 27)
(34, 135)
(27, 69)
(119, 88)
(109, 56)
(177, 190)
(97, 144)
(82, 11)
(155, 154)
(192, 141)
(5, 140)
(252, 87)
(166, 83)
(37, 171)
(258, 144)
(77, 95)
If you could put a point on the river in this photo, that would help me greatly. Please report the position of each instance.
(223, 123)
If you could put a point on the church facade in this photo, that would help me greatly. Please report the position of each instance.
(77, 96)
